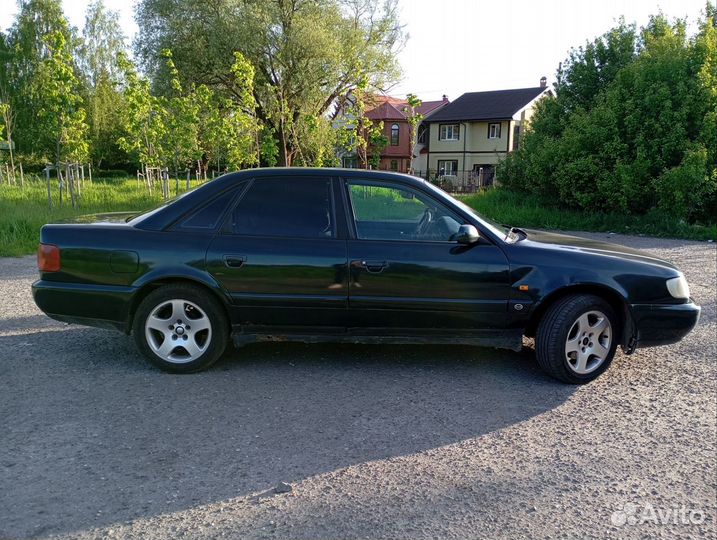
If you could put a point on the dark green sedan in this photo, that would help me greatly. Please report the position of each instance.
(356, 256)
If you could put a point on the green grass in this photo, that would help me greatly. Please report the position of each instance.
(520, 210)
(24, 210)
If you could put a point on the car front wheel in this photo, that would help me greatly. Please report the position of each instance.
(577, 338)
(180, 328)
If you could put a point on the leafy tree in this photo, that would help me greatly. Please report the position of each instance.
(635, 131)
(7, 125)
(414, 119)
(143, 119)
(181, 121)
(99, 53)
(27, 49)
(306, 54)
(359, 134)
(56, 86)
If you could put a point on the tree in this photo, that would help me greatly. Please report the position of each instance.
(640, 136)
(181, 121)
(7, 124)
(306, 54)
(57, 88)
(27, 49)
(414, 119)
(102, 44)
(143, 121)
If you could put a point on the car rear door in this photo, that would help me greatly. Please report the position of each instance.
(407, 276)
(280, 257)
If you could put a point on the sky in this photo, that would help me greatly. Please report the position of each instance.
(457, 46)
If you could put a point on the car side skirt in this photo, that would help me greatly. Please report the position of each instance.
(499, 339)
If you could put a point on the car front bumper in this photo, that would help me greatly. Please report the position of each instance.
(103, 306)
(662, 324)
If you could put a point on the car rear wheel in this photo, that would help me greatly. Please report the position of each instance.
(180, 328)
(577, 338)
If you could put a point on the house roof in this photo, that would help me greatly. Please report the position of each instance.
(493, 105)
(386, 111)
(391, 108)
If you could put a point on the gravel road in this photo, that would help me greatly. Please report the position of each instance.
(376, 442)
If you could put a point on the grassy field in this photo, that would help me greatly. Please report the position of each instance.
(515, 209)
(24, 210)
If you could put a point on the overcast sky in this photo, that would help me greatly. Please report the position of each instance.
(458, 46)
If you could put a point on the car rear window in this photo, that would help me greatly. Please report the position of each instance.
(210, 215)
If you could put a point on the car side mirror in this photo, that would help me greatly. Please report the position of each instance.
(467, 234)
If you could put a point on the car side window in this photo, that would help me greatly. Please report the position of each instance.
(399, 213)
(209, 216)
(286, 207)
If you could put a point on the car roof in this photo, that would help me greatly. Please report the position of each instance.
(268, 172)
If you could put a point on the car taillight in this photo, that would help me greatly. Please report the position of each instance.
(48, 258)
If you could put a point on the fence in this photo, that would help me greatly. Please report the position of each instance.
(460, 181)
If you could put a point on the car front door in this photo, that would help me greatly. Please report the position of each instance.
(280, 258)
(408, 276)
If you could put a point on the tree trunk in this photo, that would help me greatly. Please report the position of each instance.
(284, 152)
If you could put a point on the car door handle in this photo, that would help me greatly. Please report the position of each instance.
(375, 267)
(234, 261)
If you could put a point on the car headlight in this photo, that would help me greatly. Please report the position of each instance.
(678, 287)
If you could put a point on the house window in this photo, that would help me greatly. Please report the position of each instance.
(516, 137)
(423, 134)
(494, 131)
(349, 162)
(447, 167)
(394, 134)
(449, 132)
(394, 165)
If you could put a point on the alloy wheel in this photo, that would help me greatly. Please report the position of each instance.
(588, 342)
(178, 331)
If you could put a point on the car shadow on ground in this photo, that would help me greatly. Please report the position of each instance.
(93, 435)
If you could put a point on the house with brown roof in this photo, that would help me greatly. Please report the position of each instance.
(394, 113)
(463, 142)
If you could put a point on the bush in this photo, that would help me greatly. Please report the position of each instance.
(632, 127)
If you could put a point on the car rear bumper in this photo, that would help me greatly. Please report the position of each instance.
(103, 306)
(662, 324)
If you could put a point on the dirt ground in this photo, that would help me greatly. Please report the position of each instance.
(375, 441)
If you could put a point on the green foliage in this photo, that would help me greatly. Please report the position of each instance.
(24, 210)
(521, 210)
(143, 119)
(98, 59)
(62, 114)
(306, 54)
(632, 126)
(269, 150)
(25, 62)
(414, 118)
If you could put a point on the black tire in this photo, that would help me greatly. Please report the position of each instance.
(553, 332)
(209, 343)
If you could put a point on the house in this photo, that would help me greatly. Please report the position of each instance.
(462, 142)
(394, 113)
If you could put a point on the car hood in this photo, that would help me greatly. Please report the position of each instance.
(108, 217)
(595, 247)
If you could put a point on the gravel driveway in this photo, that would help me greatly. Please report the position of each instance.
(376, 442)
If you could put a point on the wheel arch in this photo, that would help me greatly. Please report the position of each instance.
(613, 297)
(155, 284)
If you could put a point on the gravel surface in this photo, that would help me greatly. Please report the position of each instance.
(324, 441)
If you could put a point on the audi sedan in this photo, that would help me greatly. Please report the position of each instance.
(331, 255)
